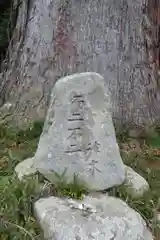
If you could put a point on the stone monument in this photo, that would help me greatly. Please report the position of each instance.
(79, 136)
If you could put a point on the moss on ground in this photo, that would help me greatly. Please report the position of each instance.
(16, 198)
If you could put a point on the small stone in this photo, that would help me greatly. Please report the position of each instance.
(135, 184)
(25, 168)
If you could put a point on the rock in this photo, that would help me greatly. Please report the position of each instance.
(25, 168)
(79, 135)
(158, 217)
(104, 218)
(135, 184)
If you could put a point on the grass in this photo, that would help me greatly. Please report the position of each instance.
(143, 155)
(17, 220)
(16, 198)
(16, 213)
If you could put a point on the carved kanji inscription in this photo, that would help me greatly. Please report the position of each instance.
(78, 134)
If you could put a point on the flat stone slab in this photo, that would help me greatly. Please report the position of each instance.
(79, 135)
(103, 218)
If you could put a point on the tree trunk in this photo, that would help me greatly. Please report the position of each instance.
(55, 38)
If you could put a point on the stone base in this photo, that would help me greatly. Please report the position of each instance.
(93, 218)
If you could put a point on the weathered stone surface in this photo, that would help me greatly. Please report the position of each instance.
(104, 218)
(135, 184)
(79, 134)
(25, 168)
(158, 217)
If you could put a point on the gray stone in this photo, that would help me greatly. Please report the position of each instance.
(104, 218)
(135, 184)
(25, 168)
(79, 135)
(158, 217)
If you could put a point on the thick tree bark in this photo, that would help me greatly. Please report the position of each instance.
(56, 38)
